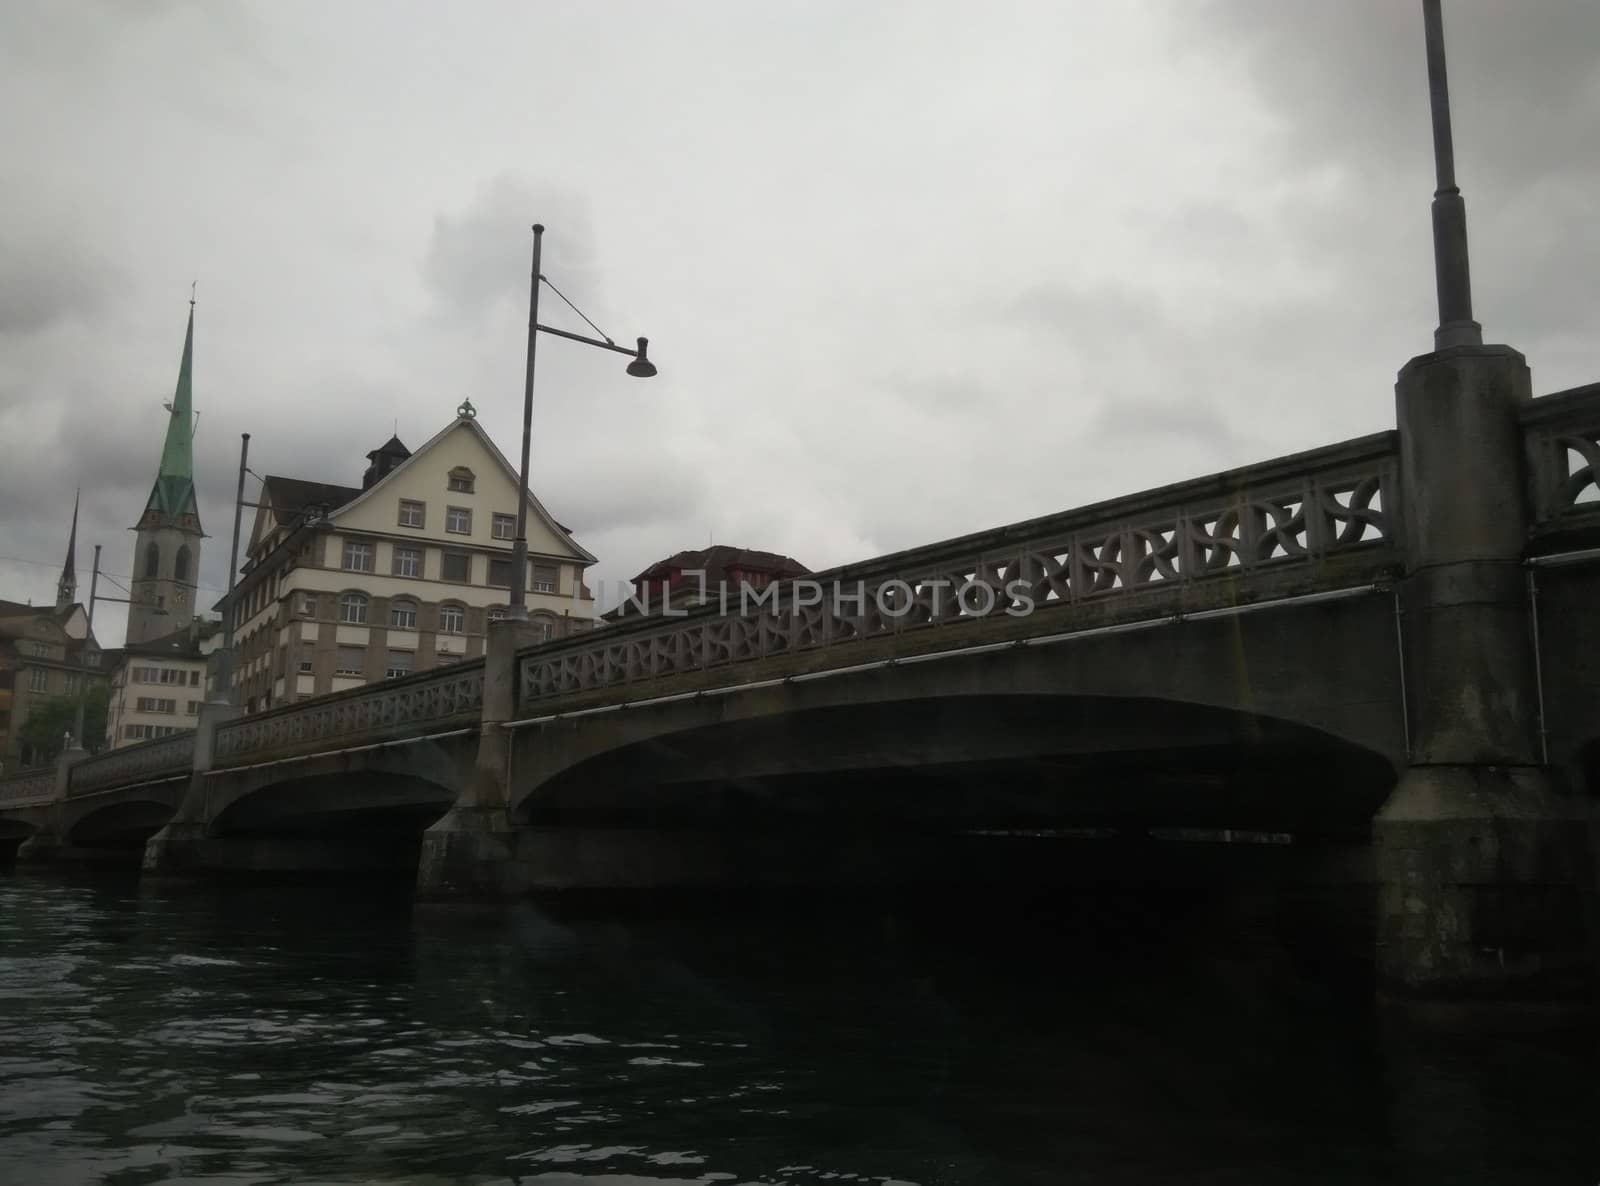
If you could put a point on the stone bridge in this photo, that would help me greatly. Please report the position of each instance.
(1385, 640)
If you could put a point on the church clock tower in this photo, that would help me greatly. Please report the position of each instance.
(166, 555)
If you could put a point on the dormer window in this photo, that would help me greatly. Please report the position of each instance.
(462, 480)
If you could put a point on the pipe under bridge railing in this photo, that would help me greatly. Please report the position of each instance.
(1322, 519)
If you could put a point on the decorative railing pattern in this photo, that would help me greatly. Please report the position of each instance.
(22, 790)
(1241, 524)
(361, 715)
(1562, 438)
(148, 760)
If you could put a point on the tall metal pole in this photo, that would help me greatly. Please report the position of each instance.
(1456, 326)
(94, 581)
(94, 584)
(519, 548)
(226, 666)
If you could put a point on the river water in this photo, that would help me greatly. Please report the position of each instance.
(248, 1035)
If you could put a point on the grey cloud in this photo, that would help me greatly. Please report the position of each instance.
(899, 290)
(49, 276)
(1194, 423)
(480, 256)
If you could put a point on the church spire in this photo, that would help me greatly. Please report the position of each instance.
(67, 586)
(173, 496)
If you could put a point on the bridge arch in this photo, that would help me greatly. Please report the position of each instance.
(1204, 682)
(423, 780)
(120, 822)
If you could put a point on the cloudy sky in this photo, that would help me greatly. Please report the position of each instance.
(908, 269)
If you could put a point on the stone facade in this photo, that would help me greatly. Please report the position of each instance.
(45, 654)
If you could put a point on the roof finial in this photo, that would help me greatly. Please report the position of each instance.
(466, 411)
(193, 284)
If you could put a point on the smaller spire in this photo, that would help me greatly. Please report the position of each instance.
(67, 586)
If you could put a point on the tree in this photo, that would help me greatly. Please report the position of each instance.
(41, 736)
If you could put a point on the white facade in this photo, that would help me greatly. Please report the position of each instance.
(154, 697)
(402, 577)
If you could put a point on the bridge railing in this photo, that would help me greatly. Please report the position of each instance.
(162, 757)
(404, 707)
(1562, 438)
(30, 788)
(1323, 518)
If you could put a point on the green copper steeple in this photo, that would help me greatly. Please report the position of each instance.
(173, 495)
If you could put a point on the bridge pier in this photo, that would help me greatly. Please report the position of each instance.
(468, 853)
(1485, 860)
(179, 847)
(48, 843)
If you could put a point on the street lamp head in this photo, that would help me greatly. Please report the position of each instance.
(641, 367)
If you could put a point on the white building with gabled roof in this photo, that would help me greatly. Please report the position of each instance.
(348, 585)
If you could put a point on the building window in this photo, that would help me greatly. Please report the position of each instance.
(193, 707)
(452, 619)
(39, 650)
(194, 679)
(461, 480)
(544, 578)
(180, 566)
(308, 604)
(152, 560)
(504, 527)
(456, 567)
(353, 609)
(497, 613)
(407, 562)
(412, 514)
(403, 615)
(305, 667)
(350, 661)
(92, 659)
(358, 555)
(544, 629)
(146, 732)
(458, 520)
(155, 704)
(500, 572)
(399, 663)
(38, 680)
(163, 675)
(74, 683)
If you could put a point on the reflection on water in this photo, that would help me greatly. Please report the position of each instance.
(254, 1035)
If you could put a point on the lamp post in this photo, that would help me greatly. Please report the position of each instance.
(641, 368)
(225, 663)
(1451, 273)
